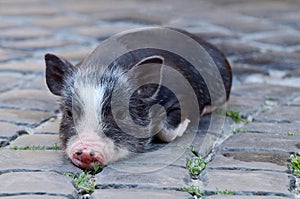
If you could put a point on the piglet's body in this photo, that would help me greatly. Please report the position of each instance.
(94, 129)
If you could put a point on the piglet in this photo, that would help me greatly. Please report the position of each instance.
(93, 129)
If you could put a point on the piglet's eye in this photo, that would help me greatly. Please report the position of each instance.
(69, 113)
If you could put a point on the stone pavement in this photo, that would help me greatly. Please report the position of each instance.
(262, 41)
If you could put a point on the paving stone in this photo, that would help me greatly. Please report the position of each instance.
(168, 177)
(37, 44)
(256, 157)
(282, 39)
(75, 55)
(38, 83)
(245, 197)
(27, 9)
(266, 91)
(9, 80)
(245, 105)
(238, 23)
(29, 99)
(292, 73)
(31, 196)
(134, 17)
(49, 127)
(23, 66)
(249, 161)
(7, 54)
(271, 128)
(35, 140)
(256, 141)
(106, 31)
(7, 24)
(294, 102)
(8, 130)
(4, 142)
(272, 60)
(38, 182)
(209, 35)
(265, 9)
(57, 22)
(249, 181)
(281, 114)
(288, 19)
(137, 194)
(24, 117)
(236, 48)
(26, 33)
(37, 160)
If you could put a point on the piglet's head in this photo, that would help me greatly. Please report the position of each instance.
(82, 101)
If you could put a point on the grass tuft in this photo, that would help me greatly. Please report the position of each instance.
(223, 192)
(295, 163)
(193, 190)
(292, 133)
(238, 130)
(55, 147)
(195, 165)
(84, 182)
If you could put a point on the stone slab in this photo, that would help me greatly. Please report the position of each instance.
(245, 197)
(247, 181)
(37, 44)
(281, 60)
(137, 194)
(9, 81)
(24, 117)
(26, 33)
(255, 157)
(49, 127)
(281, 114)
(35, 140)
(9, 54)
(36, 182)
(41, 160)
(267, 91)
(273, 128)
(167, 177)
(245, 105)
(23, 66)
(260, 142)
(31, 196)
(29, 99)
(8, 130)
(249, 161)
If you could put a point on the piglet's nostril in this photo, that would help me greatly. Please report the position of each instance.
(92, 153)
(79, 152)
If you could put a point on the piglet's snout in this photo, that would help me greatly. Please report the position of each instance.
(86, 158)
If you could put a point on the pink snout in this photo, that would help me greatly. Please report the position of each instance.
(85, 158)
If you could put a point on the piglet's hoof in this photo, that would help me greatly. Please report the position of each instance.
(85, 158)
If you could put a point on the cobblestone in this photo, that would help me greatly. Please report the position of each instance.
(261, 41)
(19, 182)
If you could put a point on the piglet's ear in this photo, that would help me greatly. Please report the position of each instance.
(56, 71)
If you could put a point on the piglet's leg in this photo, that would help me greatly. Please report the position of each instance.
(208, 109)
(168, 135)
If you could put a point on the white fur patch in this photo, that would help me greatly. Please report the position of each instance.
(168, 135)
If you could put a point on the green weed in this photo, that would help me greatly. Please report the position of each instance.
(223, 192)
(84, 182)
(238, 130)
(195, 165)
(295, 163)
(192, 190)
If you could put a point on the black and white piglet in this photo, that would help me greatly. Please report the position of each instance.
(89, 132)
